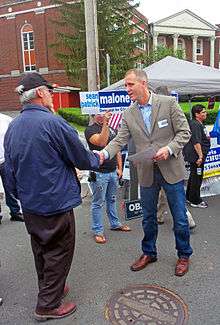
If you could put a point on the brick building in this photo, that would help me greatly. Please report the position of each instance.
(199, 39)
(26, 31)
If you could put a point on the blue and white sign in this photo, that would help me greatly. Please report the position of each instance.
(98, 102)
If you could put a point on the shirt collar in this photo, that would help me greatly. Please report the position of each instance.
(149, 103)
(34, 107)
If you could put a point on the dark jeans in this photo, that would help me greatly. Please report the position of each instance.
(53, 242)
(194, 184)
(11, 201)
(176, 199)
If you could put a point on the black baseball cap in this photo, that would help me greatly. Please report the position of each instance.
(31, 81)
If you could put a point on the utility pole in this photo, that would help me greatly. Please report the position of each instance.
(92, 48)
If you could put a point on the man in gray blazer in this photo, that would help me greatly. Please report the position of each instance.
(158, 122)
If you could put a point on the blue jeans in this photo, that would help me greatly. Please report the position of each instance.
(104, 190)
(11, 201)
(176, 199)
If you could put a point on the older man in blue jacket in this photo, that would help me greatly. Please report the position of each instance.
(41, 153)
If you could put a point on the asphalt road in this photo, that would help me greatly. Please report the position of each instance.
(98, 271)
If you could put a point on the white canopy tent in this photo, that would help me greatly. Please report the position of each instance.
(186, 78)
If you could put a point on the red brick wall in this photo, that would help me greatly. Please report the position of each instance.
(8, 49)
(206, 52)
(188, 48)
(9, 100)
(217, 49)
(11, 57)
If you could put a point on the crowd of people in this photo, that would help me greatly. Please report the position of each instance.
(39, 161)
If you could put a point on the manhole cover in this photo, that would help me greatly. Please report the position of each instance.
(146, 305)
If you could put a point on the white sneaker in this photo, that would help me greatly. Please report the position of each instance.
(202, 205)
(191, 221)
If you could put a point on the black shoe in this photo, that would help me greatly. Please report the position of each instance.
(1, 218)
(17, 217)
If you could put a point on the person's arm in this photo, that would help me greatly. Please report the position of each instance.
(196, 141)
(9, 171)
(119, 165)
(101, 139)
(198, 149)
(65, 140)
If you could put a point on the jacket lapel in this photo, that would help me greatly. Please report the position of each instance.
(139, 118)
(155, 110)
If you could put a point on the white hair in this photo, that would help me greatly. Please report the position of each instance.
(28, 95)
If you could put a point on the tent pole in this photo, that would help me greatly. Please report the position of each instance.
(190, 107)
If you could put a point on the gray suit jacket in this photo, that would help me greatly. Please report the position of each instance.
(169, 127)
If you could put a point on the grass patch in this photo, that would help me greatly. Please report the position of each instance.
(79, 128)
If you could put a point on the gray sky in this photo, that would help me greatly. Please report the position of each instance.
(158, 9)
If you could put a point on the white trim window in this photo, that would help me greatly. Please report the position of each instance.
(161, 41)
(181, 44)
(199, 47)
(141, 45)
(28, 48)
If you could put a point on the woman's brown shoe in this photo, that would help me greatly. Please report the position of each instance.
(121, 228)
(100, 239)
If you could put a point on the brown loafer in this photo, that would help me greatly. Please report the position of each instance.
(182, 266)
(100, 239)
(142, 262)
(63, 310)
(122, 228)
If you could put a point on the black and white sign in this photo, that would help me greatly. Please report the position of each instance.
(133, 210)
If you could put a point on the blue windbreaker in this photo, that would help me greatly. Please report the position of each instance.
(41, 150)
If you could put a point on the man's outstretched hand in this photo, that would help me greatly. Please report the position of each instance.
(101, 156)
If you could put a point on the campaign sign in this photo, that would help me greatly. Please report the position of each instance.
(212, 163)
(89, 102)
(133, 210)
(98, 102)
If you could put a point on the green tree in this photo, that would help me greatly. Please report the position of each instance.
(115, 33)
(161, 52)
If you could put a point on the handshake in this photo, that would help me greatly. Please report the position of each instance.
(102, 156)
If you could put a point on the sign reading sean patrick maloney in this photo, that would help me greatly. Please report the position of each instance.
(98, 102)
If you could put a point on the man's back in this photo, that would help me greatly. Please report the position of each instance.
(42, 150)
